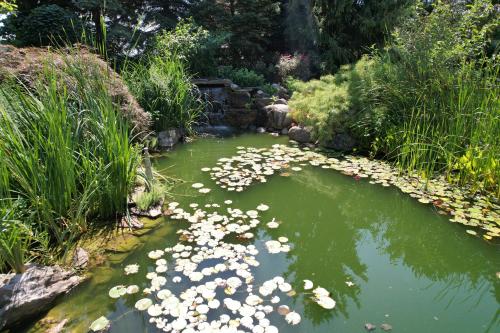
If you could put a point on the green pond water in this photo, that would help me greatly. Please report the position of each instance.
(411, 267)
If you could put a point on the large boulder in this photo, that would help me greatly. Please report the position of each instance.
(299, 134)
(32, 292)
(26, 64)
(278, 116)
(240, 118)
(239, 99)
(342, 142)
(169, 138)
(262, 102)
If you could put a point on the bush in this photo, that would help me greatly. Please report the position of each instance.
(242, 76)
(296, 66)
(197, 47)
(163, 88)
(66, 155)
(44, 25)
(429, 100)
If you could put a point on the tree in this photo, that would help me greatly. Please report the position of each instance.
(348, 27)
(255, 26)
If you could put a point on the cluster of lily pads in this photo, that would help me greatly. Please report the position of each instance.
(252, 165)
(222, 294)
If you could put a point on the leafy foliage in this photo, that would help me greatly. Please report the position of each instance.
(43, 25)
(198, 48)
(242, 76)
(66, 155)
(163, 88)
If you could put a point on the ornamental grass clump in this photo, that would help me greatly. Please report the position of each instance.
(66, 152)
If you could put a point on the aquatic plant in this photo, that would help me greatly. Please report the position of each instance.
(66, 151)
(163, 88)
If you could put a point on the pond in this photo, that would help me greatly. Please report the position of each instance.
(382, 256)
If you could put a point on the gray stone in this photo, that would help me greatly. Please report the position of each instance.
(281, 101)
(342, 142)
(80, 258)
(239, 99)
(284, 131)
(261, 130)
(262, 102)
(240, 118)
(299, 134)
(32, 292)
(169, 138)
(278, 116)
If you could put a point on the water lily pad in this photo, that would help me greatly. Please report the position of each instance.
(99, 324)
(293, 318)
(143, 304)
(117, 291)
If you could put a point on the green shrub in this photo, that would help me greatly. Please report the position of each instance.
(44, 25)
(242, 76)
(163, 88)
(151, 198)
(197, 47)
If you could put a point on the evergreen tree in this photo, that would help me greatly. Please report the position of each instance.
(348, 27)
(255, 26)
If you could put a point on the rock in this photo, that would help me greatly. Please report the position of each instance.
(239, 99)
(169, 138)
(261, 130)
(80, 258)
(342, 142)
(386, 327)
(278, 116)
(281, 91)
(240, 118)
(32, 292)
(281, 101)
(218, 130)
(132, 222)
(370, 327)
(299, 134)
(59, 327)
(262, 102)
(153, 212)
(234, 86)
(284, 131)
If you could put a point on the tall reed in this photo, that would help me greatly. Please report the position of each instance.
(66, 151)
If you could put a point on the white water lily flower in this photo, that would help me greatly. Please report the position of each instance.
(292, 318)
(285, 287)
(326, 302)
(131, 269)
(308, 284)
(262, 207)
(197, 185)
(275, 300)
